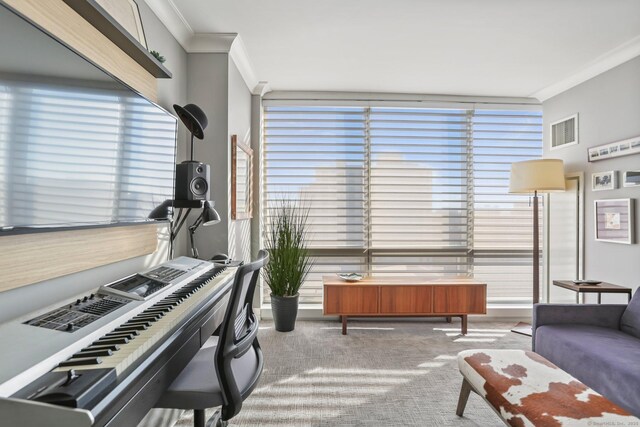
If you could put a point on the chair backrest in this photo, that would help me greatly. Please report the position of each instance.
(238, 334)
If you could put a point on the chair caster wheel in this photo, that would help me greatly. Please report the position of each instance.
(216, 421)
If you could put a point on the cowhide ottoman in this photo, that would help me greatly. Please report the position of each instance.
(525, 389)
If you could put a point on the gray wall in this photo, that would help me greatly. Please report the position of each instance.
(216, 85)
(26, 299)
(170, 91)
(609, 110)
(208, 88)
(239, 124)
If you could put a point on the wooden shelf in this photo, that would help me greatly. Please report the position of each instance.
(99, 18)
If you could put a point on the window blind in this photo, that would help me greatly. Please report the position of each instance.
(316, 155)
(418, 192)
(407, 191)
(502, 222)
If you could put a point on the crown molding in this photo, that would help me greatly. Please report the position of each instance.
(210, 43)
(241, 58)
(191, 42)
(261, 88)
(168, 13)
(603, 63)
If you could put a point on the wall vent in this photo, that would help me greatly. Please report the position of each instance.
(564, 132)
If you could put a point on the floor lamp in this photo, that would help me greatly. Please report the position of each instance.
(536, 176)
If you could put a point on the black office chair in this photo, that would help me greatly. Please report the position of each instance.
(227, 368)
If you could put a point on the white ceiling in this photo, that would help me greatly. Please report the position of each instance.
(457, 47)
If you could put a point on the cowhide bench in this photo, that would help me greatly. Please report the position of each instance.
(525, 389)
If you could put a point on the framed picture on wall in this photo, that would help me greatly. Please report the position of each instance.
(604, 181)
(614, 220)
(127, 14)
(615, 149)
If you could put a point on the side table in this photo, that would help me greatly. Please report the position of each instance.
(601, 288)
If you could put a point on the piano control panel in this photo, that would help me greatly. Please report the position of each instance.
(84, 311)
(136, 287)
(164, 274)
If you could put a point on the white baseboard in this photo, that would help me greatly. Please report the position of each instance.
(494, 313)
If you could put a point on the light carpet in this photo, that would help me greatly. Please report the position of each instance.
(383, 373)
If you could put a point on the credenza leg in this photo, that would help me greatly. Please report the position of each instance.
(344, 325)
(448, 318)
(464, 324)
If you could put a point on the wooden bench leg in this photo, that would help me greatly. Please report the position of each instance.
(463, 327)
(448, 319)
(464, 396)
(344, 325)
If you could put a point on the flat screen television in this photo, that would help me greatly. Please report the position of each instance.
(77, 146)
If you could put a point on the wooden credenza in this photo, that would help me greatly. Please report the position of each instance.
(404, 296)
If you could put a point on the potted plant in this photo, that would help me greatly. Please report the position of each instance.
(289, 261)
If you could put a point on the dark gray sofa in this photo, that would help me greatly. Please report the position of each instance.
(597, 344)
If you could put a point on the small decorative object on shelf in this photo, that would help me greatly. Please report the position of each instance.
(351, 277)
(587, 282)
(161, 59)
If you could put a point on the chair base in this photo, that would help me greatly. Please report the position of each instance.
(199, 419)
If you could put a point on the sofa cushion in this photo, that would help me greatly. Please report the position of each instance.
(604, 359)
(630, 321)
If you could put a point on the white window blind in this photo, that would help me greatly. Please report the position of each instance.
(317, 155)
(502, 222)
(409, 191)
(418, 192)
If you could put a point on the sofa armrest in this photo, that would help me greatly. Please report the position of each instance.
(604, 315)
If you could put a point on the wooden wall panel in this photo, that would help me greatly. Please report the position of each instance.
(31, 258)
(63, 22)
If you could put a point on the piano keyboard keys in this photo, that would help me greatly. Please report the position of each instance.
(92, 353)
(112, 341)
(127, 335)
(112, 347)
(84, 361)
(134, 337)
(130, 328)
(131, 333)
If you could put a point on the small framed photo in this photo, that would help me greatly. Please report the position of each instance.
(614, 220)
(604, 181)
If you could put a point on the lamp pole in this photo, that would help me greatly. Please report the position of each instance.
(536, 250)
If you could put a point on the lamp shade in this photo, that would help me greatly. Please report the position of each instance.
(162, 211)
(544, 175)
(209, 215)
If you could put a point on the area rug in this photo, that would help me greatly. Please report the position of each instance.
(383, 373)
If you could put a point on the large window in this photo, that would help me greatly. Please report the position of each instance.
(399, 191)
